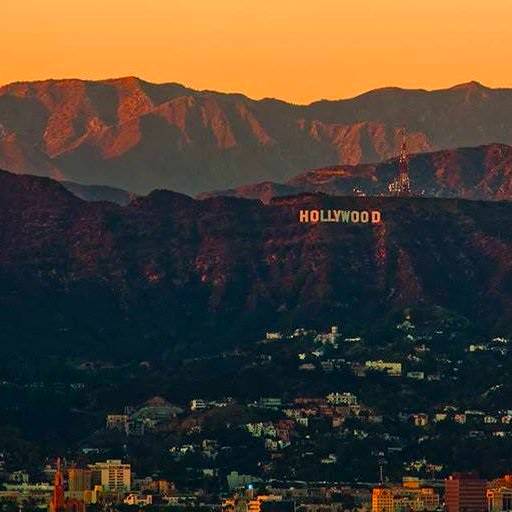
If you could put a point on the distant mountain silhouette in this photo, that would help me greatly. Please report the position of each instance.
(99, 193)
(483, 173)
(134, 135)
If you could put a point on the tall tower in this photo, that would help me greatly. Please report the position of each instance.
(57, 503)
(401, 185)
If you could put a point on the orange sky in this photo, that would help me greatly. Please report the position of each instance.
(291, 49)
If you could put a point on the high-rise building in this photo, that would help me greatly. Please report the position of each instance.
(79, 480)
(382, 499)
(465, 492)
(112, 475)
(79, 485)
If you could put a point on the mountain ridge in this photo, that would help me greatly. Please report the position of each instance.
(471, 84)
(168, 269)
(134, 135)
(99, 193)
(478, 173)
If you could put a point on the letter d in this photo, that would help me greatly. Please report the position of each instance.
(376, 217)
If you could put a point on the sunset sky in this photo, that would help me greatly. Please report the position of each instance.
(291, 49)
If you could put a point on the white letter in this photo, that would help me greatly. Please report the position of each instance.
(375, 216)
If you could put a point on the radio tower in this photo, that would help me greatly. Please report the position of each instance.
(401, 186)
(382, 462)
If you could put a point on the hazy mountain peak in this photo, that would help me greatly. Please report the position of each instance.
(472, 85)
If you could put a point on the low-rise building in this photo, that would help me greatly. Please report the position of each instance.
(393, 369)
(499, 494)
(117, 421)
(141, 500)
(341, 399)
(410, 496)
(198, 404)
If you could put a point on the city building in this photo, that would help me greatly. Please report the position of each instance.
(19, 477)
(416, 375)
(391, 368)
(419, 419)
(329, 338)
(259, 503)
(273, 335)
(198, 404)
(499, 494)
(112, 475)
(79, 484)
(59, 503)
(141, 500)
(236, 480)
(117, 421)
(382, 499)
(410, 496)
(341, 398)
(465, 492)
(79, 479)
(270, 403)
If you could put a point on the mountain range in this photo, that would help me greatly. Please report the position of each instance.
(134, 135)
(96, 277)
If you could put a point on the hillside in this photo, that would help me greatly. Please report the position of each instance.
(167, 270)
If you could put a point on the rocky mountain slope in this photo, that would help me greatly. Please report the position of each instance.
(138, 136)
(94, 277)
